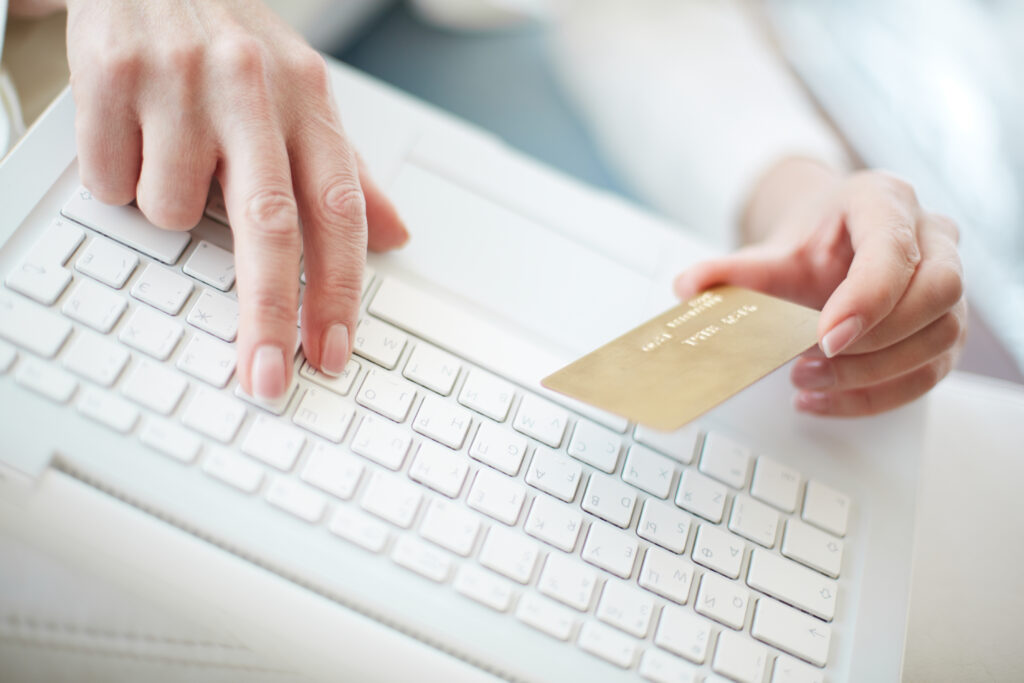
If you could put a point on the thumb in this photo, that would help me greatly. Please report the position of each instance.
(767, 269)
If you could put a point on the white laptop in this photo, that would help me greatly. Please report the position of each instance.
(434, 513)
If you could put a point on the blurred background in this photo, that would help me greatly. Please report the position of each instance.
(676, 104)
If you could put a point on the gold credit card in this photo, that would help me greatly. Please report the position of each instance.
(690, 358)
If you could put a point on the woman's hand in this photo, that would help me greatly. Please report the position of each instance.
(171, 93)
(884, 272)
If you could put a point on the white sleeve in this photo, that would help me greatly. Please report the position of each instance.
(688, 102)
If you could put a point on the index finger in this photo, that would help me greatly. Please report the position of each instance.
(264, 219)
(881, 221)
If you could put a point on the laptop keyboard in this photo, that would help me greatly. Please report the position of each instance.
(684, 556)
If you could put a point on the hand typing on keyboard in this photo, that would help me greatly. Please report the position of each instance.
(170, 95)
(884, 272)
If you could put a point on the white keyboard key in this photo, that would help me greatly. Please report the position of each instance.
(379, 342)
(391, 498)
(7, 356)
(154, 386)
(723, 600)
(496, 496)
(542, 420)
(487, 395)
(216, 314)
(212, 265)
(484, 587)
(567, 580)
(450, 526)
(127, 225)
(382, 441)
(775, 484)
(170, 439)
(546, 616)
(498, 447)
(610, 549)
(208, 359)
(812, 547)
(739, 659)
(507, 552)
(595, 445)
(108, 410)
(664, 524)
(95, 358)
(277, 406)
(46, 380)
(296, 499)
(432, 368)
(150, 332)
(718, 550)
(216, 207)
(609, 499)
(626, 607)
(329, 469)
(609, 645)
(649, 471)
(554, 473)
(273, 442)
(214, 415)
(554, 522)
(439, 468)
(826, 508)
(678, 445)
(358, 528)
(162, 289)
(726, 460)
(660, 667)
(791, 630)
(107, 262)
(58, 242)
(753, 520)
(666, 574)
(701, 495)
(233, 469)
(792, 583)
(386, 395)
(39, 280)
(422, 558)
(342, 384)
(31, 326)
(442, 422)
(94, 305)
(684, 633)
(790, 670)
(324, 414)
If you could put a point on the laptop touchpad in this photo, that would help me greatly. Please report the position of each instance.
(556, 288)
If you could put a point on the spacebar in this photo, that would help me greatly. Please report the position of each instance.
(464, 334)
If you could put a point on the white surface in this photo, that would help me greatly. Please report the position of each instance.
(968, 585)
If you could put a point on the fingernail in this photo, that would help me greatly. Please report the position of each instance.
(840, 336)
(815, 373)
(812, 401)
(334, 350)
(268, 380)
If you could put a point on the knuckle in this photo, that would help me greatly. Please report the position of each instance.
(242, 56)
(273, 214)
(904, 241)
(948, 332)
(948, 285)
(946, 225)
(311, 70)
(118, 68)
(899, 189)
(343, 201)
(272, 307)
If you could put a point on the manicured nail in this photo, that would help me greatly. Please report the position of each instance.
(812, 401)
(841, 336)
(814, 373)
(334, 350)
(268, 380)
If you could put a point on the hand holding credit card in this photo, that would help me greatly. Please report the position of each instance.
(687, 360)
